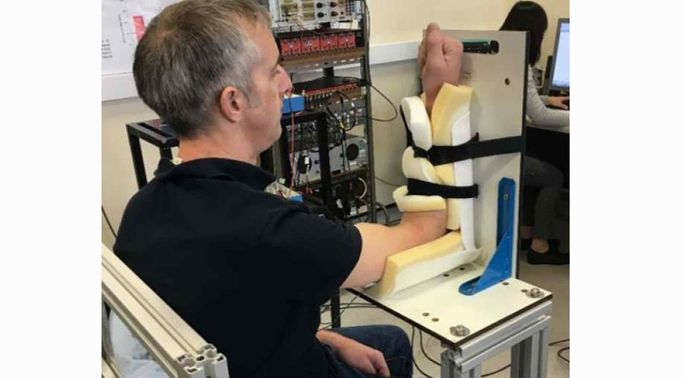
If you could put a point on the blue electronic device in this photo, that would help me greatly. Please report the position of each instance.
(293, 104)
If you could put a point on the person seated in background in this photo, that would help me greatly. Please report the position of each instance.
(537, 230)
(531, 17)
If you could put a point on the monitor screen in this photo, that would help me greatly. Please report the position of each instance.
(562, 57)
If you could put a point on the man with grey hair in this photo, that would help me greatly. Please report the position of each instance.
(246, 269)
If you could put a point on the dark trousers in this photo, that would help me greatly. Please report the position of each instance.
(392, 341)
(548, 179)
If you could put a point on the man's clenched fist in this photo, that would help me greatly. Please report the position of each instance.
(439, 61)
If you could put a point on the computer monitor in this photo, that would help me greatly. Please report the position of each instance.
(561, 62)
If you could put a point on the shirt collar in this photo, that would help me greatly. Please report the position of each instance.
(215, 168)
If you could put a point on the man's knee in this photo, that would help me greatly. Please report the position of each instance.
(398, 336)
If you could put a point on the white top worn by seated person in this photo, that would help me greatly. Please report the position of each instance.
(130, 356)
(537, 110)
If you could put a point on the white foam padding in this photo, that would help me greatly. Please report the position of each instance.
(451, 126)
(421, 263)
(418, 122)
(417, 168)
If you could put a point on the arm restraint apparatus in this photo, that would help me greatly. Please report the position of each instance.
(439, 171)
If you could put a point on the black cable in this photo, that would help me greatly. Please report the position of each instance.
(107, 220)
(394, 108)
(385, 212)
(562, 357)
(412, 349)
(341, 311)
(496, 371)
(367, 19)
(424, 351)
(558, 342)
(346, 161)
(364, 203)
(352, 106)
(388, 182)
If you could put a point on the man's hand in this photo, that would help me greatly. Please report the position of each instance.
(439, 61)
(356, 354)
(558, 102)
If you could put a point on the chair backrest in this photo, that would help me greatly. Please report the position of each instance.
(161, 333)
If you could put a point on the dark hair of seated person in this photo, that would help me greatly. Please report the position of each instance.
(531, 17)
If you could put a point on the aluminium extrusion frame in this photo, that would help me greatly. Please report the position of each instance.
(179, 350)
(472, 329)
(526, 335)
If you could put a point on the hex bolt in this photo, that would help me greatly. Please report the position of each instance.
(459, 331)
(535, 292)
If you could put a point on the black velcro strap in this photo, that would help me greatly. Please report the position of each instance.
(423, 188)
(472, 149)
(439, 155)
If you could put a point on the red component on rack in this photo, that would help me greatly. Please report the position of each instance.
(297, 46)
(325, 43)
(316, 43)
(333, 42)
(285, 47)
(311, 44)
(291, 46)
(351, 40)
(342, 41)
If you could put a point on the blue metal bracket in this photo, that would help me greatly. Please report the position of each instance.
(499, 267)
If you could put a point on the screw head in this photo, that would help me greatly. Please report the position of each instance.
(459, 331)
(535, 292)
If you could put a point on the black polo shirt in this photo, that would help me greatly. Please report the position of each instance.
(246, 269)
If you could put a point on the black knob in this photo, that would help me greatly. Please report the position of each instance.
(334, 13)
(334, 4)
(352, 152)
(319, 5)
(320, 15)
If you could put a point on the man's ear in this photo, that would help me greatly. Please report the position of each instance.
(232, 103)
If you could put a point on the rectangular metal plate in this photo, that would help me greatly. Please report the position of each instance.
(436, 305)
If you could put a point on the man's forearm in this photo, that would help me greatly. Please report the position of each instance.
(424, 226)
(379, 242)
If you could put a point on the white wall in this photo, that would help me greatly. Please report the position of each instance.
(555, 10)
(118, 178)
(392, 21)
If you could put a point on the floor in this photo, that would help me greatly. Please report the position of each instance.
(552, 278)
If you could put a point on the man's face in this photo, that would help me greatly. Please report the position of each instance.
(270, 83)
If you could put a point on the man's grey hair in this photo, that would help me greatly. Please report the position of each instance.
(190, 52)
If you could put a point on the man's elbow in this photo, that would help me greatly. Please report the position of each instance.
(364, 274)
